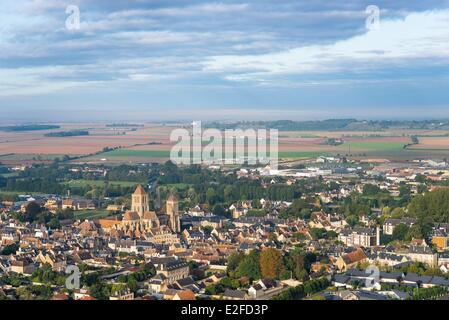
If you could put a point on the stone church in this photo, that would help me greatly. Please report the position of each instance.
(140, 221)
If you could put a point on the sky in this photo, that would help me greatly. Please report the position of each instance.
(153, 60)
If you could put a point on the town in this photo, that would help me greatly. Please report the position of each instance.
(325, 228)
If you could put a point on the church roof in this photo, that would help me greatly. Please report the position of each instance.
(130, 216)
(149, 215)
(108, 223)
(140, 190)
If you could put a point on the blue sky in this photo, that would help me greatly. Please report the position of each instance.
(198, 60)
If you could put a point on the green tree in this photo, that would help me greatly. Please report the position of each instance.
(54, 223)
(234, 261)
(210, 196)
(317, 233)
(400, 232)
(434, 205)
(10, 249)
(250, 267)
(218, 210)
(370, 190)
(397, 213)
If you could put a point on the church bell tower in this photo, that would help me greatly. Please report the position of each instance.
(140, 201)
(172, 210)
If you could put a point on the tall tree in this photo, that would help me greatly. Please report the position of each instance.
(271, 263)
(250, 266)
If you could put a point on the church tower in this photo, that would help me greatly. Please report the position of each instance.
(140, 201)
(172, 210)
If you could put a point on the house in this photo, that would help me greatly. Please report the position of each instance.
(58, 262)
(60, 297)
(398, 295)
(386, 258)
(172, 268)
(52, 205)
(78, 204)
(265, 289)
(158, 283)
(341, 281)
(125, 294)
(9, 236)
(443, 259)
(187, 283)
(439, 281)
(417, 280)
(359, 237)
(235, 295)
(423, 254)
(368, 295)
(357, 275)
(390, 224)
(23, 266)
(81, 294)
(184, 295)
(351, 260)
(347, 295)
(115, 208)
(391, 277)
(87, 298)
(440, 238)
(318, 267)
(83, 257)
(237, 212)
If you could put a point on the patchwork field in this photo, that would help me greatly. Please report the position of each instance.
(150, 143)
(432, 143)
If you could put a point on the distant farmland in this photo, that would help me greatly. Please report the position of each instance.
(373, 146)
(300, 154)
(151, 143)
(137, 153)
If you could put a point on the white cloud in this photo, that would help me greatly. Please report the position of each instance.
(207, 8)
(150, 54)
(37, 80)
(422, 37)
(34, 80)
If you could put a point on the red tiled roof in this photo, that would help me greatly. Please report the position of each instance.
(354, 256)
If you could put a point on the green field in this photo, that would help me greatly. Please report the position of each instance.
(300, 154)
(29, 157)
(300, 135)
(136, 153)
(91, 214)
(166, 154)
(99, 183)
(375, 146)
